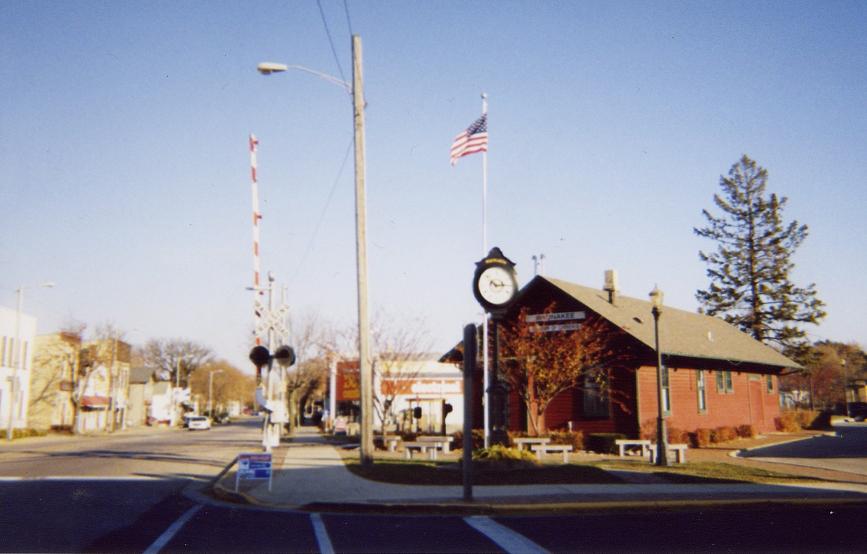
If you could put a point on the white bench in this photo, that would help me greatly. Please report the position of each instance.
(530, 441)
(678, 449)
(429, 447)
(391, 442)
(624, 445)
(540, 449)
(441, 442)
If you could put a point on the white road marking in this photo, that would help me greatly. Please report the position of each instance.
(321, 534)
(82, 478)
(510, 541)
(173, 529)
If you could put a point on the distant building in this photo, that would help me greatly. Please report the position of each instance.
(405, 389)
(103, 385)
(141, 389)
(53, 380)
(16, 357)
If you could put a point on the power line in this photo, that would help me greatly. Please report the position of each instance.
(322, 215)
(330, 41)
(348, 19)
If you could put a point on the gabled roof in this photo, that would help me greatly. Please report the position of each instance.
(681, 333)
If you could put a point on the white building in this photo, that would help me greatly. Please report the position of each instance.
(16, 360)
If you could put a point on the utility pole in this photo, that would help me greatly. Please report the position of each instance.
(365, 369)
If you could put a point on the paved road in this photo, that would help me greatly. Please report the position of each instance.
(846, 451)
(63, 494)
(135, 493)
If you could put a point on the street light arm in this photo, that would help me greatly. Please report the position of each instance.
(267, 68)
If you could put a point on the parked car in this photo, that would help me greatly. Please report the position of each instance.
(198, 422)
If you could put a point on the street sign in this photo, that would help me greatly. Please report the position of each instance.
(254, 466)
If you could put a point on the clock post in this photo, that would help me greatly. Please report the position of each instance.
(495, 287)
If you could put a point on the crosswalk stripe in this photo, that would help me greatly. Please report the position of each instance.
(173, 529)
(507, 539)
(321, 534)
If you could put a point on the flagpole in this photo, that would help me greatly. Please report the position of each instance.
(486, 373)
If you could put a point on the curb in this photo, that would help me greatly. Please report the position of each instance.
(736, 453)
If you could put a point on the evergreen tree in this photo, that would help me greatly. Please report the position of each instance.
(749, 271)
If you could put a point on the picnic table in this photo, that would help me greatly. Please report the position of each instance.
(391, 442)
(540, 449)
(678, 449)
(520, 442)
(440, 441)
(429, 447)
(624, 445)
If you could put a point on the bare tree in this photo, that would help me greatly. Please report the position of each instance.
(229, 383)
(178, 358)
(313, 340)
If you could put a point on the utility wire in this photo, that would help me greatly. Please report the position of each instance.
(348, 19)
(324, 210)
(330, 41)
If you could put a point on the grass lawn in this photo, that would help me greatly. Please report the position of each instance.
(705, 472)
(394, 469)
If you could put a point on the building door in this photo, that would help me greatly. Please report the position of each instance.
(757, 409)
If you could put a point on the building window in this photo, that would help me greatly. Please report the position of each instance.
(769, 381)
(666, 391)
(595, 396)
(724, 382)
(700, 387)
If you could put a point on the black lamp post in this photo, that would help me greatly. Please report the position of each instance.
(661, 432)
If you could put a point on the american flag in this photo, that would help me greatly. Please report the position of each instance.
(474, 139)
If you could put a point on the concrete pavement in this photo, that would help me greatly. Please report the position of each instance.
(309, 474)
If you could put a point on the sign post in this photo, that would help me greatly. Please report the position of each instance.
(254, 466)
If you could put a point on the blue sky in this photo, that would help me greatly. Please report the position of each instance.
(124, 171)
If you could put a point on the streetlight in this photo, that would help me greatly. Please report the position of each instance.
(357, 92)
(656, 296)
(211, 390)
(845, 386)
(14, 384)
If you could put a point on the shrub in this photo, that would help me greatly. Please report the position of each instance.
(604, 442)
(24, 433)
(575, 438)
(746, 431)
(676, 436)
(648, 430)
(787, 422)
(498, 457)
(458, 439)
(807, 419)
(723, 434)
(701, 437)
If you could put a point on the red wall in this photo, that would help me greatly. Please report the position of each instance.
(759, 408)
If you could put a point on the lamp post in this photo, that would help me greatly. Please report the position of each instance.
(845, 387)
(656, 296)
(211, 391)
(365, 369)
(18, 353)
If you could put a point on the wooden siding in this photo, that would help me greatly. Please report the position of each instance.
(748, 403)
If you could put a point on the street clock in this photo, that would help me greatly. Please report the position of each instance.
(494, 283)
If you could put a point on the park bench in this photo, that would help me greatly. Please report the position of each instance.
(429, 447)
(391, 442)
(442, 442)
(540, 449)
(629, 445)
(678, 449)
(521, 442)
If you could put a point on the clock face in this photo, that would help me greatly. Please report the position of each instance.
(497, 285)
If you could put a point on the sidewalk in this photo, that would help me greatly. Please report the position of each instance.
(310, 474)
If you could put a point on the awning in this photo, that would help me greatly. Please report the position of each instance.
(95, 401)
